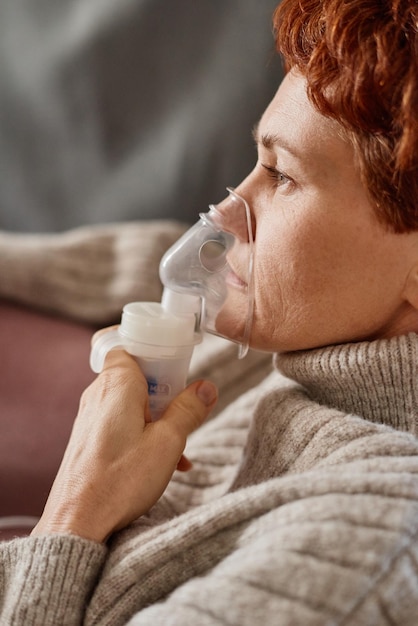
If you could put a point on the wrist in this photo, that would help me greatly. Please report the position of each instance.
(70, 525)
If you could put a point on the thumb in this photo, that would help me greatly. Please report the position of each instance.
(191, 407)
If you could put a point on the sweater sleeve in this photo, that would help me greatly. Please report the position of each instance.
(89, 273)
(47, 580)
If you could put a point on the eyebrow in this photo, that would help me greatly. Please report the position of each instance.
(269, 140)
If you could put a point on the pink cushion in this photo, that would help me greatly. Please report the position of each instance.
(44, 368)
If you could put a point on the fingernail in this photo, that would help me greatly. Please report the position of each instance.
(207, 392)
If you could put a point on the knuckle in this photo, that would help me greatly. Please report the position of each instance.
(112, 381)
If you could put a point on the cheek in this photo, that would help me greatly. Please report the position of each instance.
(283, 270)
(295, 284)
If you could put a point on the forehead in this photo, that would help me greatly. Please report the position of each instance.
(292, 123)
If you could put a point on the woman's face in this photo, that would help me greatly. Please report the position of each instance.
(326, 271)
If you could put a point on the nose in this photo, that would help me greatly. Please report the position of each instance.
(233, 215)
(247, 190)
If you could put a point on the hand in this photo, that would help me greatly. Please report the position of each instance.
(117, 463)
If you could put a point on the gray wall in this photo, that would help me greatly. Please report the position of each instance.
(135, 109)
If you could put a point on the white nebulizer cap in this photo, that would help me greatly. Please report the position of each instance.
(147, 330)
(149, 323)
(209, 271)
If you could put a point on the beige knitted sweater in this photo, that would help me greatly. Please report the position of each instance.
(301, 509)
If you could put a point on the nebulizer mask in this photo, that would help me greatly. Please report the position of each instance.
(208, 286)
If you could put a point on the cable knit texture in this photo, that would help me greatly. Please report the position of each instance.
(88, 273)
(301, 508)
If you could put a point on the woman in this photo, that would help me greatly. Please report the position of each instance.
(302, 505)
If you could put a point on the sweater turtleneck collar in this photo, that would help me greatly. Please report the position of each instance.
(377, 380)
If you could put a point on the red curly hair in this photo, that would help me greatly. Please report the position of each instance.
(360, 59)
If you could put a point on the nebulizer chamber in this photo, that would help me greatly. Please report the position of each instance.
(198, 295)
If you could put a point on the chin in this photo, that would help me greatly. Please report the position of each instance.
(230, 321)
(230, 327)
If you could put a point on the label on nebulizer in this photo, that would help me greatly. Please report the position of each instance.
(165, 379)
(161, 342)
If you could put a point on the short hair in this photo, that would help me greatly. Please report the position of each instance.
(360, 60)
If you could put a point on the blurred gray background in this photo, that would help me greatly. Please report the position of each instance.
(115, 110)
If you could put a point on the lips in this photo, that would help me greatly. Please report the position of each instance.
(234, 280)
(236, 263)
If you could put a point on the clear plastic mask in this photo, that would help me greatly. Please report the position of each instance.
(211, 266)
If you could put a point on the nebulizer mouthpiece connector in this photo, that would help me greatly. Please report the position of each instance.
(208, 286)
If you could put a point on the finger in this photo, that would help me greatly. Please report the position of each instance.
(125, 364)
(184, 464)
(120, 358)
(191, 407)
(102, 331)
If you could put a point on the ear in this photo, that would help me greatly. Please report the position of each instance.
(410, 292)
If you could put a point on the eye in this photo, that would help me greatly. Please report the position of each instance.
(277, 176)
